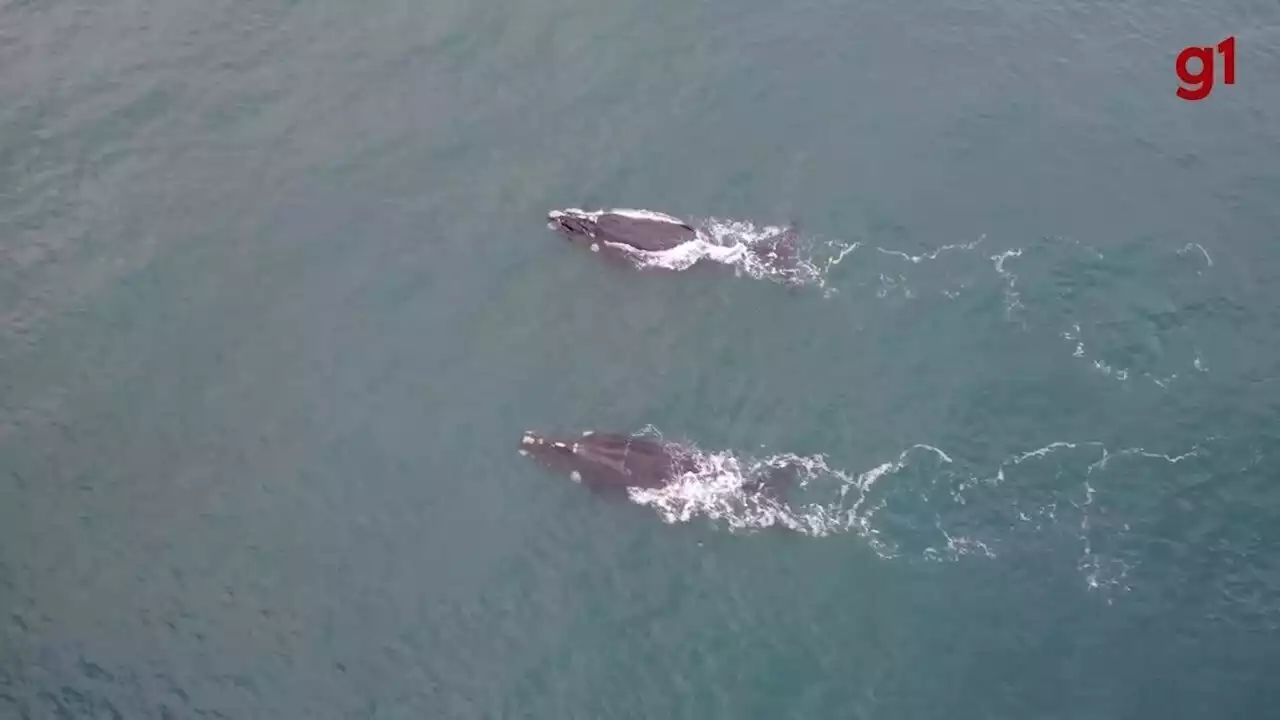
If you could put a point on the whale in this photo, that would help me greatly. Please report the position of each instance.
(611, 463)
(618, 231)
(639, 229)
(608, 462)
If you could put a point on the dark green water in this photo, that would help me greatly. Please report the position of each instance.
(276, 302)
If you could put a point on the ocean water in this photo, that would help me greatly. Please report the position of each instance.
(277, 301)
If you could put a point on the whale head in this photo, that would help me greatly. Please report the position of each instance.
(564, 456)
(548, 450)
(574, 224)
(536, 445)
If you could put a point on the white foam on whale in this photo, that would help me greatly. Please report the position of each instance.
(635, 213)
(736, 243)
(825, 500)
(645, 215)
(927, 505)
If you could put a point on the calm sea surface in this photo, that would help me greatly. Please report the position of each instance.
(277, 301)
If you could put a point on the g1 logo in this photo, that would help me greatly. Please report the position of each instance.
(1197, 86)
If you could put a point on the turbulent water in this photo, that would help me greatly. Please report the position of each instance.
(277, 300)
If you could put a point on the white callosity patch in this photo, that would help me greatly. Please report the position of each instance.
(575, 476)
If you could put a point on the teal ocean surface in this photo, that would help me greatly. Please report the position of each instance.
(278, 299)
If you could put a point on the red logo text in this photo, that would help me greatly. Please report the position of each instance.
(1197, 85)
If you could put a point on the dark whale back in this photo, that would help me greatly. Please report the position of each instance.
(643, 233)
(611, 461)
(618, 230)
(615, 460)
